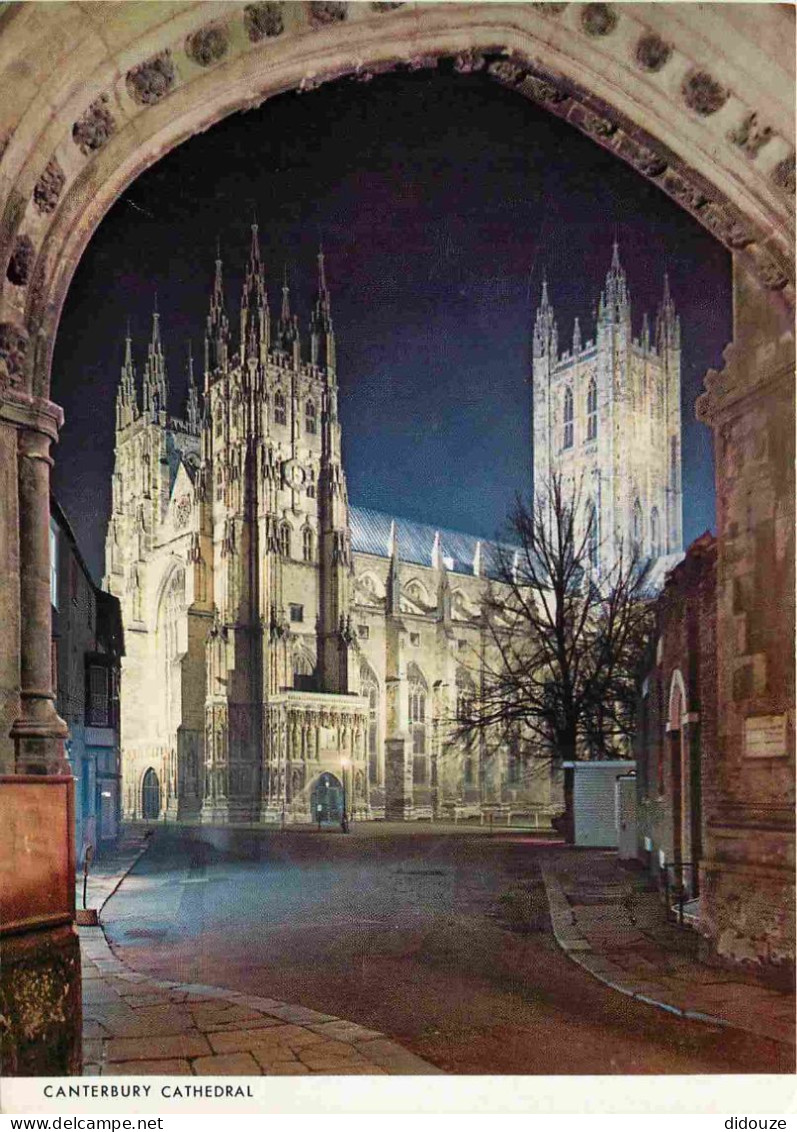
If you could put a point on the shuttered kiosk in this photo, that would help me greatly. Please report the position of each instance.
(594, 788)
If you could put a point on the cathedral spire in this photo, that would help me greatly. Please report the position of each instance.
(126, 395)
(217, 330)
(615, 301)
(668, 324)
(546, 338)
(576, 337)
(287, 329)
(255, 317)
(156, 386)
(322, 334)
(192, 400)
(615, 254)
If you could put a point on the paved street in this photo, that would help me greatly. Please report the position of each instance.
(438, 939)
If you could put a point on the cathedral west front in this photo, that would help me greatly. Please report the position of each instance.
(289, 655)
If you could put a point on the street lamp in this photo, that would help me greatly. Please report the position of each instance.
(344, 822)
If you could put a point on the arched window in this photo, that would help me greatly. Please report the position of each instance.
(307, 544)
(285, 540)
(592, 534)
(567, 439)
(310, 417)
(637, 527)
(655, 533)
(465, 695)
(369, 689)
(280, 416)
(418, 724)
(592, 409)
(303, 671)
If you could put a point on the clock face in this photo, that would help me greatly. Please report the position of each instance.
(292, 473)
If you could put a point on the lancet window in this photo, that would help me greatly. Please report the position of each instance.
(593, 534)
(592, 410)
(369, 689)
(307, 544)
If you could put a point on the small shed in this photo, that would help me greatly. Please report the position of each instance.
(594, 789)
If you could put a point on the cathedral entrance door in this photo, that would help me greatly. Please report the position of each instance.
(326, 799)
(150, 796)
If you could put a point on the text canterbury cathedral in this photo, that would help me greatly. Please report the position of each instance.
(288, 654)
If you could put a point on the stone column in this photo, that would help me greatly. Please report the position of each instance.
(747, 873)
(40, 982)
(38, 731)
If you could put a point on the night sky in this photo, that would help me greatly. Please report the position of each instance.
(441, 200)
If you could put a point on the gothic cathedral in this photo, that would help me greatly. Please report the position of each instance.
(288, 657)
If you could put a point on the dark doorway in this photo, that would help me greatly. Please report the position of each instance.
(150, 796)
(326, 799)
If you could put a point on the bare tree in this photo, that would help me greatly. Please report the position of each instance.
(562, 640)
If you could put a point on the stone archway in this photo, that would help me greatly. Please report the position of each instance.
(697, 97)
(675, 90)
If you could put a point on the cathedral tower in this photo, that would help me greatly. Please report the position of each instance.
(607, 420)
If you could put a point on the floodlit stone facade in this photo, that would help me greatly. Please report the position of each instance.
(284, 649)
(607, 421)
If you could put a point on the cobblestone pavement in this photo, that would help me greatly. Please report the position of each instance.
(133, 1024)
(606, 918)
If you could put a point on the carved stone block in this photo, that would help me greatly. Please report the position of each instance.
(590, 123)
(150, 81)
(468, 62)
(92, 131)
(599, 19)
(208, 45)
(49, 187)
(21, 263)
(783, 174)
(542, 90)
(507, 71)
(644, 158)
(13, 348)
(263, 21)
(327, 12)
(682, 190)
(704, 94)
(770, 273)
(726, 224)
(421, 62)
(750, 136)
(652, 53)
